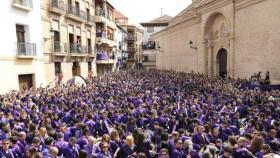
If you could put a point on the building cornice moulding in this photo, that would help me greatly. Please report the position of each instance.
(194, 13)
(15, 58)
(240, 4)
(178, 27)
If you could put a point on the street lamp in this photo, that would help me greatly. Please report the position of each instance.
(192, 45)
(51, 35)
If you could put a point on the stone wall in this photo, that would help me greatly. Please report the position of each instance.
(257, 39)
(252, 38)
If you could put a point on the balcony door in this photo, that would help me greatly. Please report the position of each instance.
(76, 69)
(26, 81)
(70, 6)
(71, 42)
(89, 45)
(20, 31)
(88, 15)
(56, 40)
(77, 8)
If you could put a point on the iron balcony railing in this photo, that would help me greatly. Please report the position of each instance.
(148, 45)
(104, 56)
(75, 48)
(59, 4)
(26, 49)
(130, 38)
(24, 3)
(131, 49)
(90, 19)
(77, 12)
(78, 48)
(101, 34)
(85, 49)
(100, 12)
(59, 47)
(89, 49)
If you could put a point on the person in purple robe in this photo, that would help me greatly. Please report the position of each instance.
(198, 139)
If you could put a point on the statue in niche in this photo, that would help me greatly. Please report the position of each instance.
(213, 35)
(223, 32)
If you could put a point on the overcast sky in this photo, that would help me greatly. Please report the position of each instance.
(145, 10)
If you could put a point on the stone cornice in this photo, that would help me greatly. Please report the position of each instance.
(194, 11)
(14, 58)
(240, 4)
(216, 4)
(178, 26)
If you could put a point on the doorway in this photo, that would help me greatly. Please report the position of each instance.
(222, 62)
(76, 69)
(26, 81)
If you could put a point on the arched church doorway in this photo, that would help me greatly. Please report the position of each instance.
(222, 62)
(216, 36)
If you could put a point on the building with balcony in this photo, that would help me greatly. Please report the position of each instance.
(105, 37)
(149, 46)
(133, 39)
(21, 54)
(68, 38)
(121, 49)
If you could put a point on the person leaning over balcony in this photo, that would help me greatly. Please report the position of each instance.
(60, 77)
(79, 45)
(98, 10)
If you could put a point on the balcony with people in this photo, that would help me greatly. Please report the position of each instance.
(100, 32)
(130, 37)
(77, 49)
(104, 57)
(59, 48)
(150, 45)
(57, 6)
(100, 11)
(100, 14)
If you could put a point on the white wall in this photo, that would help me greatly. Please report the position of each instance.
(147, 35)
(11, 66)
(12, 16)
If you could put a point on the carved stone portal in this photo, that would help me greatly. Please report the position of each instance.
(216, 35)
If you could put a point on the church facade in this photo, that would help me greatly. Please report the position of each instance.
(223, 37)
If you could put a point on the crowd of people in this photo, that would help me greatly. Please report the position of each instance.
(257, 79)
(141, 114)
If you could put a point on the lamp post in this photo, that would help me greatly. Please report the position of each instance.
(51, 32)
(192, 46)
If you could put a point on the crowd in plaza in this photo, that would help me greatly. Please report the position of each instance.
(142, 114)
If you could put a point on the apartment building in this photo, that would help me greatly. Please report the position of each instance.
(133, 39)
(105, 36)
(134, 42)
(21, 56)
(69, 38)
(149, 46)
(121, 50)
